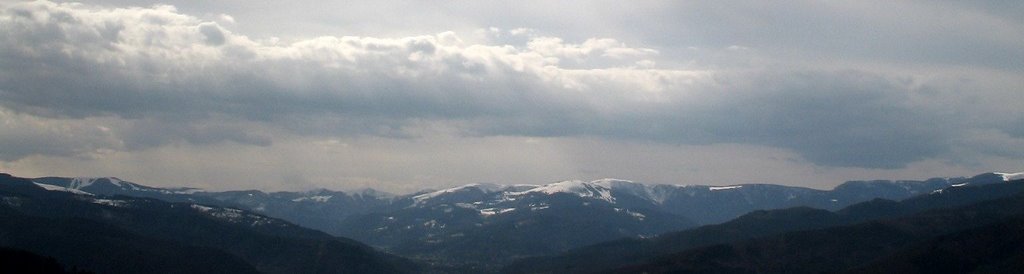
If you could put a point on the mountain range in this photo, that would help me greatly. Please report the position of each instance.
(568, 226)
(121, 234)
(761, 223)
(956, 239)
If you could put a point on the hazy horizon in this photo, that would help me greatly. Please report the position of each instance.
(443, 187)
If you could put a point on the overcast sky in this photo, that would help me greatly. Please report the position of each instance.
(405, 95)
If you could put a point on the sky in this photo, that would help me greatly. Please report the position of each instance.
(407, 95)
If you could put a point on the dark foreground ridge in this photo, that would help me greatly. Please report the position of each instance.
(758, 224)
(920, 243)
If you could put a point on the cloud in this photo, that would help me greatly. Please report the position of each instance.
(156, 63)
(25, 135)
(606, 47)
(847, 118)
(157, 76)
(213, 33)
(94, 137)
(140, 134)
(993, 142)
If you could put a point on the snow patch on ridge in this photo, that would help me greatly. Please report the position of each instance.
(494, 211)
(236, 216)
(318, 198)
(717, 188)
(639, 216)
(107, 202)
(184, 190)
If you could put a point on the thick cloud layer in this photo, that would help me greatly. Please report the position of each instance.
(76, 79)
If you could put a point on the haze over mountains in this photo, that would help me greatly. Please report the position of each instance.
(205, 110)
(483, 227)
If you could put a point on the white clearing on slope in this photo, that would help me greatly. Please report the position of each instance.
(64, 189)
(80, 182)
(1011, 176)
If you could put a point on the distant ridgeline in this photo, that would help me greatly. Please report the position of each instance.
(807, 240)
(474, 228)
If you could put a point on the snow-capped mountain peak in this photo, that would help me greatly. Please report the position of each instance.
(600, 189)
(109, 185)
(485, 188)
(597, 189)
(612, 182)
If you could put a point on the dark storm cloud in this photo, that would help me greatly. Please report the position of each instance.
(150, 133)
(844, 118)
(214, 36)
(841, 119)
(974, 33)
(20, 145)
